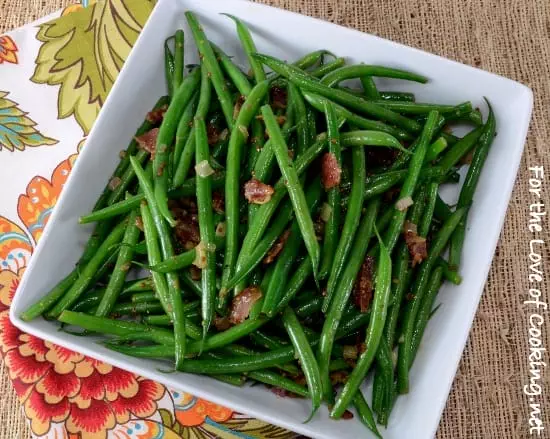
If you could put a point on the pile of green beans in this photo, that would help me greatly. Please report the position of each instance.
(342, 179)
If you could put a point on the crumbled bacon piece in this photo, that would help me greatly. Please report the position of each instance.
(278, 97)
(277, 248)
(156, 116)
(114, 182)
(283, 393)
(195, 272)
(347, 415)
(139, 223)
(212, 133)
(257, 192)
(319, 227)
(148, 141)
(222, 323)
(242, 304)
(330, 171)
(238, 105)
(218, 202)
(338, 377)
(363, 289)
(187, 225)
(417, 244)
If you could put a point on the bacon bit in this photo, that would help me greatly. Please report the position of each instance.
(212, 133)
(283, 393)
(123, 153)
(187, 223)
(361, 347)
(363, 289)
(148, 141)
(319, 227)
(195, 272)
(281, 120)
(114, 183)
(222, 323)
(417, 244)
(338, 377)
(391, 195)
(278, 97)
(467, 159)
(160, 170)
(139, 223)
(242, 303)
(218, 202)
(290, 154)
(347, 415)
(410, 296)
(330, 171)
(157, 115)
(447, 129)
(257, 192)
(277, 247)
(238, 105)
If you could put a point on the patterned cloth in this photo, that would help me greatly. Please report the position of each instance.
(55, 76)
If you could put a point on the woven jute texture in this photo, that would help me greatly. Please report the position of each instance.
(508, 37)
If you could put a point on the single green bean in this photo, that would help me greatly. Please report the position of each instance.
(426, 220)
(397, 96)
(369, 87)
(365, 413)
(178, 58)
(305, 355)
(422, 108)
(182, 132)
(312, 59)
(362, 70)
(209, 60)
(325, 69)
(233, 71)
(169, 67)
(277, 380)
(461, 148)
(296, 282)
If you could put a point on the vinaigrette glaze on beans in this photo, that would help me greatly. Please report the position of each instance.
(284, 228)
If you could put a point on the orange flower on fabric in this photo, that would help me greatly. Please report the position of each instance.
(35, 207)
(8, 50)
(192, 411)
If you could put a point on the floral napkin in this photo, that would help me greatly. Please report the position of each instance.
(54, 77)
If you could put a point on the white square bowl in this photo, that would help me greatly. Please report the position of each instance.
(287, 35)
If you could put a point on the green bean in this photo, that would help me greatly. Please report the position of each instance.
(85, 276)
(249, 48)
(304, 81)
(460, 149)
(396, 96)
(234, 380)
(362, 70)
(136, 308)
(324, 69)
(342, 293)
(351, 223)
(369, 87)
(300, 118)
(449, 274)
(297, 196)
(374, 333)
(125, 254)
(210, 63)
(169, 67)
(256, 144)
(176, 262)
(468, 188)
(422, 108)
(206, 227)
(233, 71)
(109, 326)
(134, 286)
(365, 414)
(407, 190)
(178, 58)
(417, 293)
(402, 274)
(365, 137)
(90, 301)
(332, 226)
(144, 296)
(182, 132)
(441, 211)
(232, 187)
(436, 148)
(45, 303)
(425, 309)
(277, 380)
(305, 355)
(318, 102)
(296, 282)
(174, 300)
(165, 137)
(312, 59)
(426, 220)
(383, 385)
(285, 261)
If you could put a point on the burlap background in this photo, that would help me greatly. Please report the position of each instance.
(508, 37)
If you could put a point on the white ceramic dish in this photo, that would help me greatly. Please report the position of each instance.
(289, 36)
